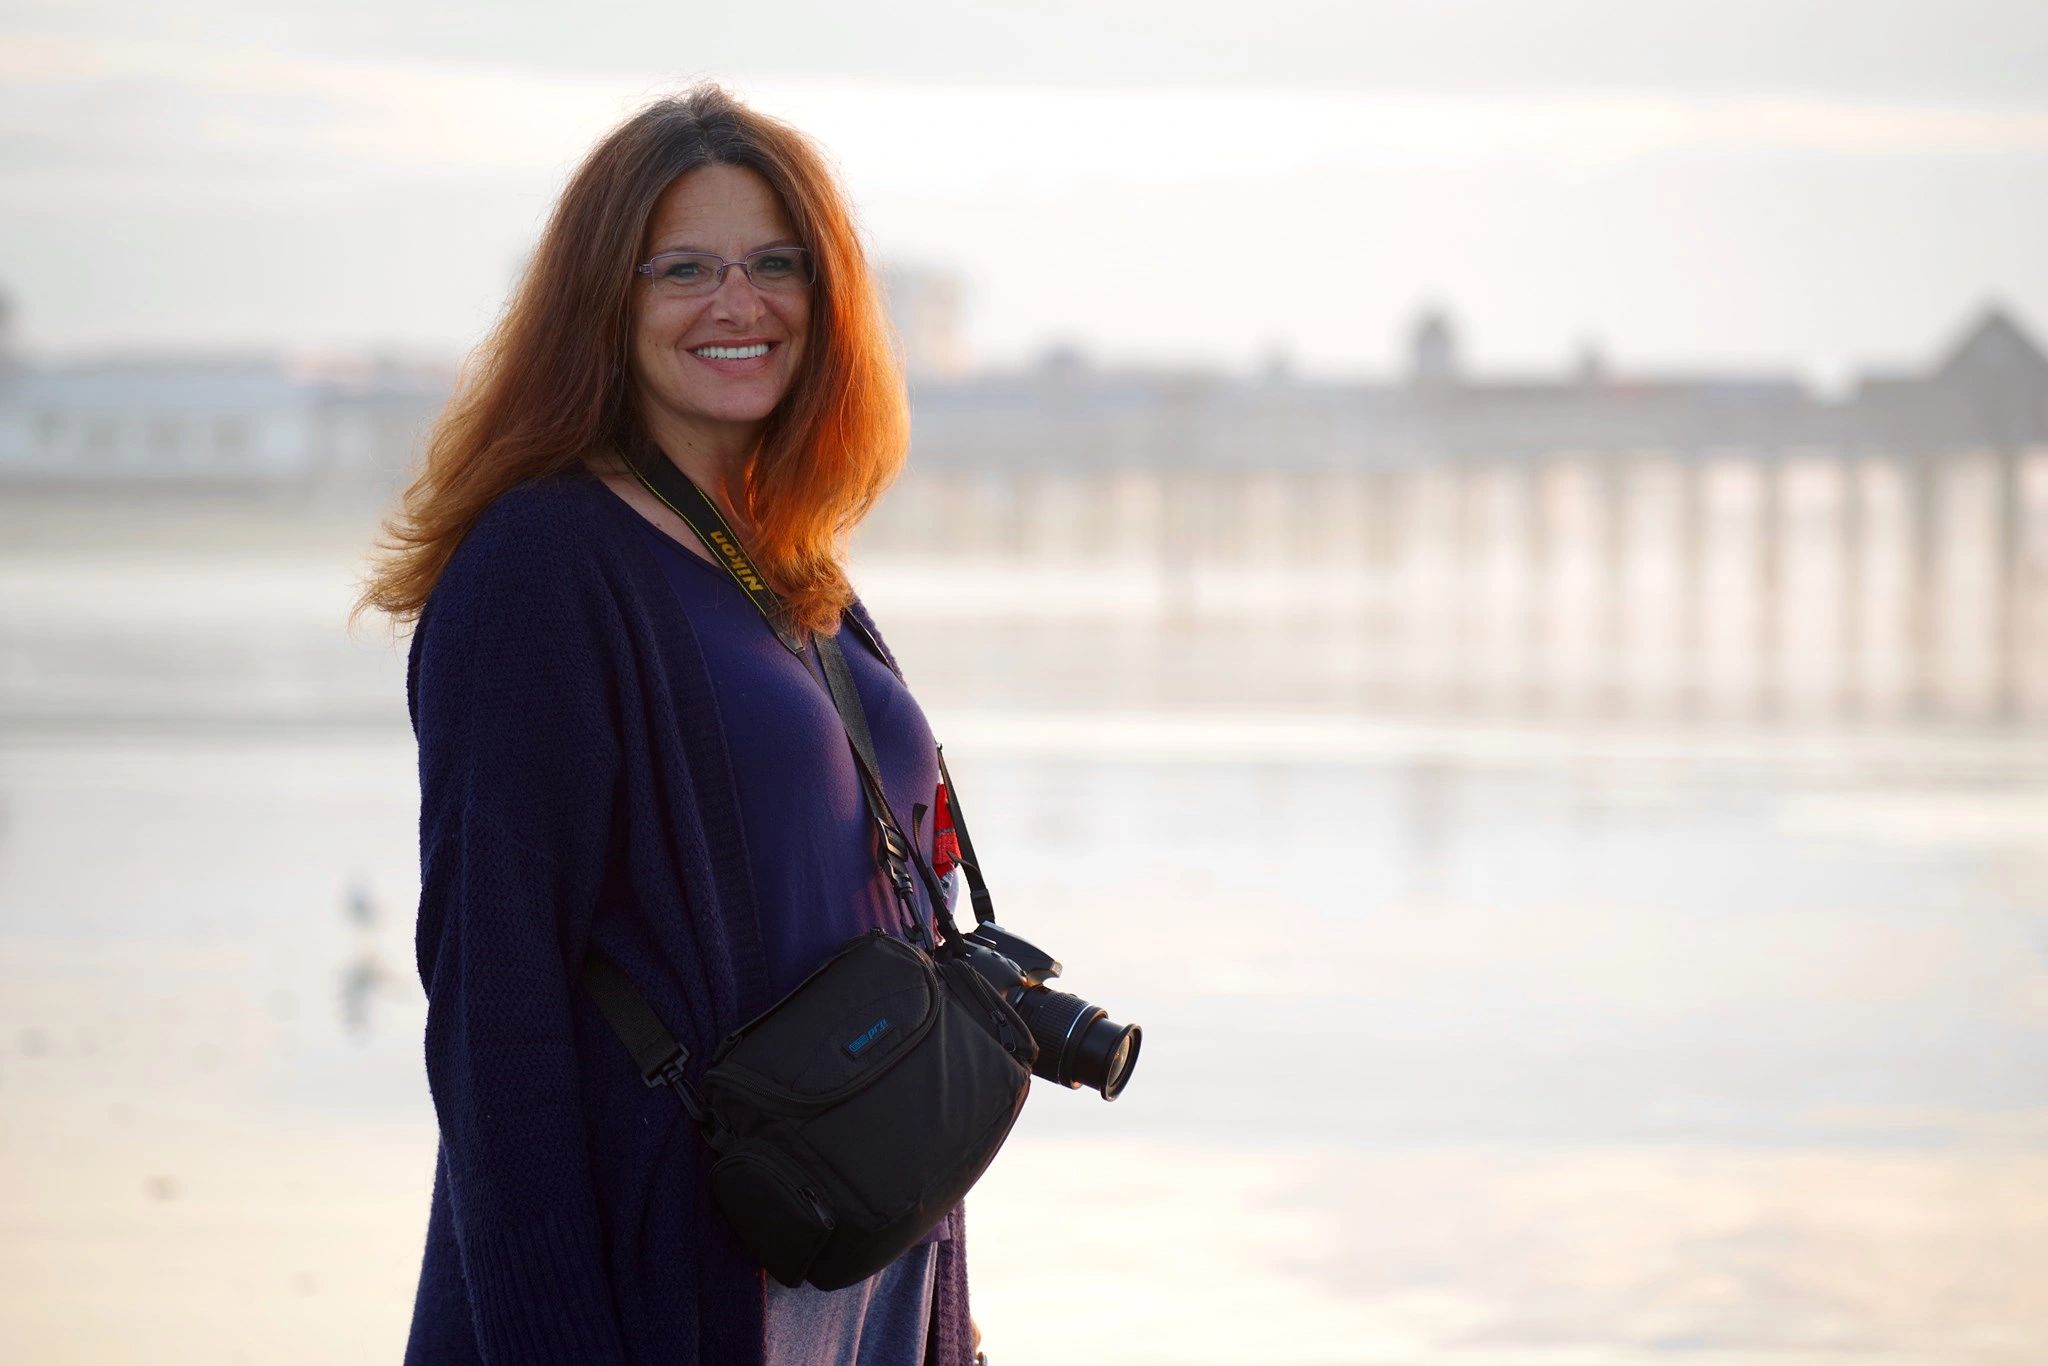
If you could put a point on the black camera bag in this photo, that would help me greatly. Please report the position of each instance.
(860, 1110)
(848, 1118)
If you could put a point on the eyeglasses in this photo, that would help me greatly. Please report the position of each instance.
(771, 269)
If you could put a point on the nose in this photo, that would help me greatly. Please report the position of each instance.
(736, 297)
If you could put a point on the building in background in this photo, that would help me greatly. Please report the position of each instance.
(256, 426)
(1989, 386)
(1594, 521)
(926, 306)
(256, 422)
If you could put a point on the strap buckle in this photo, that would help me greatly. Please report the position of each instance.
(896, 852)
(670, 1073)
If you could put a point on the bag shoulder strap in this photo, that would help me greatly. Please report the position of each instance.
(899, 854)
(655, 1051)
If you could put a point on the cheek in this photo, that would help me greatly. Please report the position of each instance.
(661, 328)
(796, 316)
(640, 342)
(797, 322)
(654, 339)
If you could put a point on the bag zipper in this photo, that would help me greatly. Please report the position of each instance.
(726, 1044)
(756, 1086)
(819, 1208)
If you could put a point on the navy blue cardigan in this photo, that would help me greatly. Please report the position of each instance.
(575, 790)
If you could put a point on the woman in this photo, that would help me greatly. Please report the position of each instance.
(617, 752)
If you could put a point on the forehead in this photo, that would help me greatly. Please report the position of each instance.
(727, 209)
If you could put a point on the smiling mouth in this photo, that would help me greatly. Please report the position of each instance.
(731, 352)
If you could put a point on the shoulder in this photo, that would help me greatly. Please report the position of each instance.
(523, 602)
(530, 572)
(540, 518)
(538, 537)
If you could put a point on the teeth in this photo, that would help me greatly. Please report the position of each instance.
(732, 352)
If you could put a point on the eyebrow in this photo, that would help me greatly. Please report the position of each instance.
(765, 246)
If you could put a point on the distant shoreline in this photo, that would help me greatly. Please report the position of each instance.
(36, 521)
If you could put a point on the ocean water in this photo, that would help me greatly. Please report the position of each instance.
(1465, 1043)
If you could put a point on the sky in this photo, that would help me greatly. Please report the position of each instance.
(1730, 187)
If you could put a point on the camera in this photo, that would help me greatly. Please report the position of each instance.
(1078, 1044)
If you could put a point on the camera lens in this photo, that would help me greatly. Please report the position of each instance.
(1119, 1046)
(1078, 1045)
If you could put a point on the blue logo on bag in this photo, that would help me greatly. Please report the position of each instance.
(868, 1036)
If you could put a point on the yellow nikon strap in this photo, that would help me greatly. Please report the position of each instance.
(895, 852)
(680, 495)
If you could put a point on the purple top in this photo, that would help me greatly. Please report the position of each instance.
(577, 794)
(808, 834)
(809, 837)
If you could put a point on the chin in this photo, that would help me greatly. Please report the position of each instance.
(740, 407)
(746, 407)
(738, 414)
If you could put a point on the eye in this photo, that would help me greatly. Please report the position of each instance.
(778, 265)
(683, 270)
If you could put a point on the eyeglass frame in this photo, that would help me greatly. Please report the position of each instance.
(745, 263)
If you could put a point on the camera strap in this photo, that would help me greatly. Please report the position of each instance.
(655, 1051)
(984, 904)
(896, 853)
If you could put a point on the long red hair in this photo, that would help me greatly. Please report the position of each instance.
(550, 385)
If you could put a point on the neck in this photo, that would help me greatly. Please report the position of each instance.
(716, 464)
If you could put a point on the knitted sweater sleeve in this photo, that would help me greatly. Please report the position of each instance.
(519, 757)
